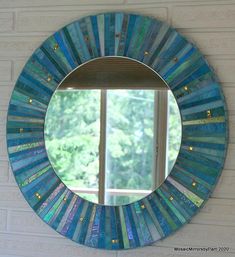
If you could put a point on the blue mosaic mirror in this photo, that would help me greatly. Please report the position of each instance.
(200, 160)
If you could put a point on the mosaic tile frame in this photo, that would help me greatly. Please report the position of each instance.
(204, 131)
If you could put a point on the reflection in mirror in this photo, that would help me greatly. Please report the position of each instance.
(113, 131)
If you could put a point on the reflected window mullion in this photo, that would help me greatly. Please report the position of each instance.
(102, 145)
(155, 141)
(162, 124)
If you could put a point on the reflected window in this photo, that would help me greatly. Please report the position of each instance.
(112, 144)
(128, 155)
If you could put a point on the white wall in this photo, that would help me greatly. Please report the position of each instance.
(23, 26)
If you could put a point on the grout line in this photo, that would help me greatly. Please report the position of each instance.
(14, 21)
(211, 224)
(12, 71)
(97, 4)
(169, 15)
(12, 232)
(204, 30)
(7, 219)
(204, 2)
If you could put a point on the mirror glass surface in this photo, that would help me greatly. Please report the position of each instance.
(112, 131)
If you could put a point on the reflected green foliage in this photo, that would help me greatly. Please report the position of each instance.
(72, 134)
(129, 141)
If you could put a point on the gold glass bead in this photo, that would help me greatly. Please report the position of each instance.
(175, 59)
(142, 206)
(64, 199)
(38, 195)
(49, 78)
(81, 219)
(171, 198)
(30, 100)
(208, 114)
(186, 88)
(21, 130)
(194, 184)
(56, 46)
(146, 53)
(114, 241)
(190, 148)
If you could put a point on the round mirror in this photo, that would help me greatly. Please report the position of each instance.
(113, 130)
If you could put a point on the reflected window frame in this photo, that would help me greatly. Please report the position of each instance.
(160, 141)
